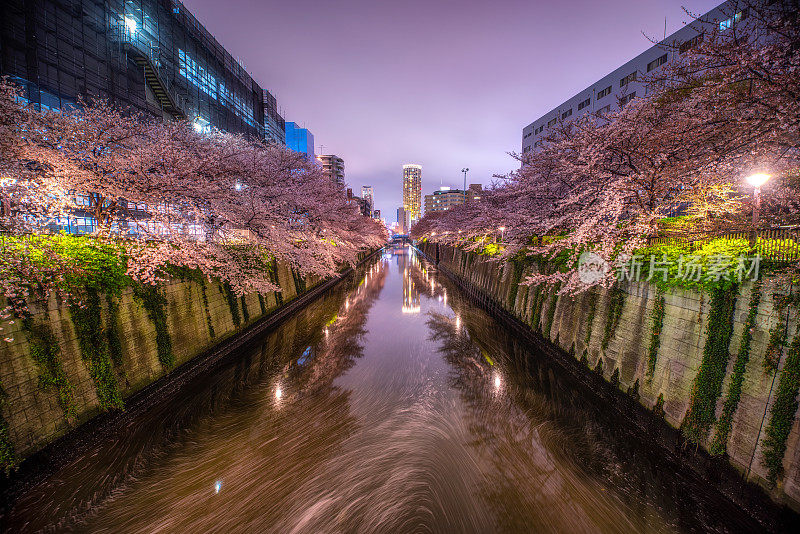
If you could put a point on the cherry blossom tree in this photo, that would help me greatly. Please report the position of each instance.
(719, 112)
(166, 195)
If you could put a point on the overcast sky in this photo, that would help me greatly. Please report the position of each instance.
(444, 84)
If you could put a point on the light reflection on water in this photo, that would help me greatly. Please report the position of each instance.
(384, 407)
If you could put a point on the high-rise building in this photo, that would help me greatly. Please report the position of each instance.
(403, 221)
(151, 56)
(412, 191)
(443, 199)
(334, 167)
(300, 140)
(625, 83)
(368, 194)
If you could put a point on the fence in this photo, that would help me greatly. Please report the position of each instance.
(777, 244)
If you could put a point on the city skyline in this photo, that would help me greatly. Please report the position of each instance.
(485, 80)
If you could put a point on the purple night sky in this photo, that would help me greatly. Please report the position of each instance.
(444, 84)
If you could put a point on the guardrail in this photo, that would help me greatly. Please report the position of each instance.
(777, 244)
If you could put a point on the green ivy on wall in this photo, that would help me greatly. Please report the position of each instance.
(659, 307)
(782, 414)
(262, 303)
(93, 342)
(8, 457)
(155, 304)
(707, 385)
(113, 334)
(633, 391)
(658, 409)
(598, 368)
(720, 443)
(519, 261)
(245, 311)
(209, 322)
(234, 307)
(615, 306)
(590, 318)
(775, 345)
(551, 311)
(538, 298)
(614, 380)
(45, 352)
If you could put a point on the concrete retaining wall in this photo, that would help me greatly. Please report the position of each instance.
(679, 355)
(32, 411)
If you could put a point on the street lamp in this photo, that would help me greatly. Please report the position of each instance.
(756, 180)
(465, 170)
(502, 233)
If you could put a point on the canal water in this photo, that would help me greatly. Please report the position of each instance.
(391, 404)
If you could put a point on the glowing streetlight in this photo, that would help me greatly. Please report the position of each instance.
(756, 180)
(502, 232)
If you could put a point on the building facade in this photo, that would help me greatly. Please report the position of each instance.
(620, 86)
(412, 191)
(333, 166)
(369, 196)
(443, 200)
(300, 140)
(150, 56)
(403, 221)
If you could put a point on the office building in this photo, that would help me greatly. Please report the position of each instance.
(443, 200)
(474, 192)
(300, 140)
(626, 83)
(274, 124)
(376, 214)
(403, 221)
(368, 194)
(150, 56)
(334, 167)
(412, 191)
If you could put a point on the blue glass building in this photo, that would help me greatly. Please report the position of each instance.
(300, 140)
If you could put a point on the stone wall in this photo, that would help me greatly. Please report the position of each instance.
(566, 322)
(198, 316)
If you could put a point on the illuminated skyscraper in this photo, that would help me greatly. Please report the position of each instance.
(412, 191)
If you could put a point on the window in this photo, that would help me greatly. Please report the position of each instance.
(584, 104)
(627, 98)
(552, 121)
(691, 43)
(731, 22)
(538, 143)
(628, 79)
(604, 110)
(604, 92)
(539, 130)
(656, 63)
(566, 114)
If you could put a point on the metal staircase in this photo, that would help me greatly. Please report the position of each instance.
(146, 56)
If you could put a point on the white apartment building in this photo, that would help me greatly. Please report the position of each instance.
(623, 84)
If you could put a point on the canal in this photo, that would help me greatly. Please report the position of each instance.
(391, 404)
